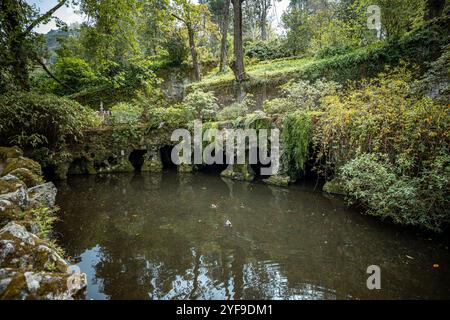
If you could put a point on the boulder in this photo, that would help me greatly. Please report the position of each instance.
(22, 162)
(42, 195)
(278, 180)
(18, 198)
(32, 269)
(13, 152)
(31, 285)
(27, 176)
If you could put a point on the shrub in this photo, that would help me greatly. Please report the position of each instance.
(75, 75)
(237, 109)
(267, 50)
(126, 113)
(173, 115)
(301, 95)
(29, 119)
(383, 115)
(373, 181)
(202, 105)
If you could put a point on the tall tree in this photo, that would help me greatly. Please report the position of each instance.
(193, 16)
(238, 63)
(224, 34)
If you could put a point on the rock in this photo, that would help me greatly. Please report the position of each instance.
(334, 187)
(42, 195)
(10, 183)
(277, 180)
(28, 177)
(31, 285)
(18, 197)
(22, 162)
(13, 152)
(240, 172)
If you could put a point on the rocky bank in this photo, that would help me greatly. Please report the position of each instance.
(32, 266)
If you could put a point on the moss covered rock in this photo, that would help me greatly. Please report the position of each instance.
(277, 180)
(28, 177)
(22, 162)
(13, 152)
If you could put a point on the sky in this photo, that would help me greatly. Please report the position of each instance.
(70, 15)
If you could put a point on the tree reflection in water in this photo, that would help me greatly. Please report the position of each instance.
(149, 236)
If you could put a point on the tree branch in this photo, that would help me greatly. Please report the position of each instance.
(45, 16)
(42, 64)
(178, 17)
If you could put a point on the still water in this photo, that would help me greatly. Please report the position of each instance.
(163, 236)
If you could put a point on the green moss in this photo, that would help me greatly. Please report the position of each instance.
(6, 153)
(22, 162)
(9, 186)
(28, 177)
(277, 180)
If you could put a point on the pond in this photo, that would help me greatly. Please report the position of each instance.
(163, 236)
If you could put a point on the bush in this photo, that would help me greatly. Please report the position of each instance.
(173, 115)
(201, 105)
(267, 50)
(236, 110)
(383, 115)
(125, 113)
(75, 75)
(301, 95)
(33, 120)
(422, 201)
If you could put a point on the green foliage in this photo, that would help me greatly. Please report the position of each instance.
(175, 115)
(236, 109)
(383, 115)
(177, 50)
(301, 95)
(126, 113)
(373, 181)
(43, 218)
(296, 137)
(201, 105)
(33, 120)
(74, 74)
(266, 50)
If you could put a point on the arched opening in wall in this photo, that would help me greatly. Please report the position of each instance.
(166, 158)
(79, 166)
(137, 159)
(215, 168)
(257, 168)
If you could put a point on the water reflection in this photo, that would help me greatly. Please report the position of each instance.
(163, 237)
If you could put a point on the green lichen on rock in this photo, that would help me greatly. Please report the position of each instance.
(22, 162)
(28, 177)
(334, 187)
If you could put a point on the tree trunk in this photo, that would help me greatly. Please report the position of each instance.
(197, 75)
(223, 45)
(263, 22)
(238, 63)
(435, 9)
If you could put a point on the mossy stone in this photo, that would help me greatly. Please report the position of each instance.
(28, 177)
(334, 187)
(22, 162)
(13, 152)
